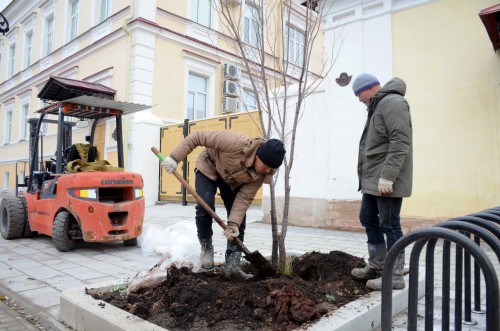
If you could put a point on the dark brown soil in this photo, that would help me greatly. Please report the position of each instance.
(319, 284)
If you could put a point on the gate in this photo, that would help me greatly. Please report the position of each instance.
(170, 189)
(483, 226)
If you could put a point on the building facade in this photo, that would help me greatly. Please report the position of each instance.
(444, 53)
(171, 55)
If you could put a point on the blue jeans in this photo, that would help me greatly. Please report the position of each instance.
(207, 188)
(379, 216)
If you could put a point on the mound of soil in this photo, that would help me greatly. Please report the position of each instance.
(319, 283)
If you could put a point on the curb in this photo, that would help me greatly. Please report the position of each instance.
(48, 322)
(82, 312)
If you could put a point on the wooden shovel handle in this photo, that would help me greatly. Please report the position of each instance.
(212, 213)
(202, 202)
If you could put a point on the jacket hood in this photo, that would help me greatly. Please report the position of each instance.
(394, 86)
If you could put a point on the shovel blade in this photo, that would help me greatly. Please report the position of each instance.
(264, 267)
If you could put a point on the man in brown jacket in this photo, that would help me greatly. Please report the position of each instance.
(238, 166)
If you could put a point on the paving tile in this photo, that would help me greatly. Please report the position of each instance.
(41, 272)
(63, 282)
(22, 283)
(23, 263)
(45, 296)
(83, 273)
(60, 265)
(7, 271)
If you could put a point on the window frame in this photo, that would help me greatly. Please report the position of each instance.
(7, 136)
(101, 15)
(247, 95)
(48, 42)
(247, 37)
(197, 93)
(203, 67)
(73, 19)
(11, 67)
(24, 114)
(198, 7)
(5, 186)
(28, 48)
(297, 47)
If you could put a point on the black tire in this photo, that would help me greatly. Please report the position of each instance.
(130, 242)
(63, 223)
(27, 233)
(12, 218)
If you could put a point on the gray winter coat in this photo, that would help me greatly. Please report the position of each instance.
(385, 148)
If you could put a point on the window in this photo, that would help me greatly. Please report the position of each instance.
(249, 101)
(44, 128)
(251, 25)
(294, 46)
(21, 177)
(102, 10)
(24, 125)
(197, 97)
(49, 35)
(5, 181)
(73, 18)
(12, 60)
(201, 12)
(8, 126)
(28, 49)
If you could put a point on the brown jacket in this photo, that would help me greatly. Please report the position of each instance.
(230, 156)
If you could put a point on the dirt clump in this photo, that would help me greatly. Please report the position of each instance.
(319, 283)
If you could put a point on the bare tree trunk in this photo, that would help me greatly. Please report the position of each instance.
(274, 74)
(274, 227)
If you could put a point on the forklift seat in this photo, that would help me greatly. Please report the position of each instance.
(85, 152)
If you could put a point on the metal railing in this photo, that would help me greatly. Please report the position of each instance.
(467, 233)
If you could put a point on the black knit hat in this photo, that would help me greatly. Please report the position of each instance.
(272, 153)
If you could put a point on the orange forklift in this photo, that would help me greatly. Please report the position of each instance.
(101, 204)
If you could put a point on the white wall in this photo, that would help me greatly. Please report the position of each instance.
(329, 132)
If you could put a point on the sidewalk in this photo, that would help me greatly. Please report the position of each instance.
(34, 273)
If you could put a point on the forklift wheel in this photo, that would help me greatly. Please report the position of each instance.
(130, 242)
(60, 232)
(12, 218)
(27, 233)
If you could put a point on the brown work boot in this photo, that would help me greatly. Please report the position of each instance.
(207, 253)
(376, 258)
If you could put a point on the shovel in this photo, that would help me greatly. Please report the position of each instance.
(264, 267)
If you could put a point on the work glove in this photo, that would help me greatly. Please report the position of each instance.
(385, 186)
(169, 164)
(232, 231)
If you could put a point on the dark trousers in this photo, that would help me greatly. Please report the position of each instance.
(379, 216)
(207, 189)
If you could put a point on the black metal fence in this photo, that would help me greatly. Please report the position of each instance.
(467, 233)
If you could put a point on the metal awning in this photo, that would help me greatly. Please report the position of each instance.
(90, 107)
(491, 20)
(59, 89)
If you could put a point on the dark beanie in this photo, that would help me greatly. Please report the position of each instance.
(272, 153)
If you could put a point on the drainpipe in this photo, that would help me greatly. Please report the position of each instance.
(128, 67)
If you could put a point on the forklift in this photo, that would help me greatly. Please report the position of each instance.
(101, 204)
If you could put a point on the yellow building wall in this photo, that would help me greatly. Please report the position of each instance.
(443, 53)
(171, 135)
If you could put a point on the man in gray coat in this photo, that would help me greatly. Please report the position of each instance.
(385, 168)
